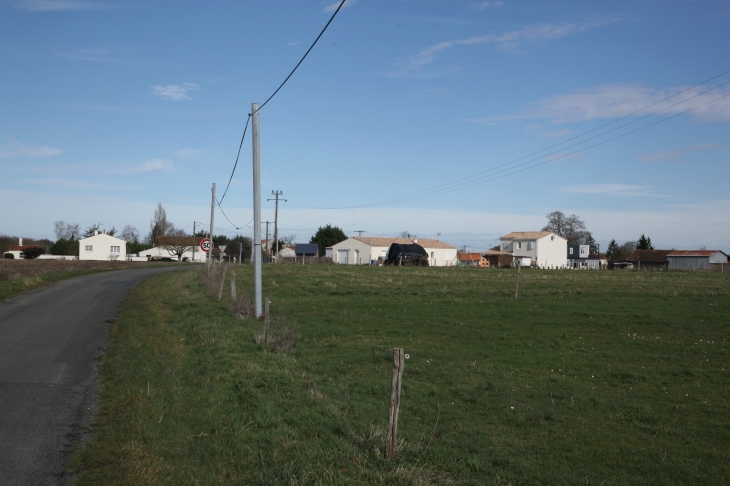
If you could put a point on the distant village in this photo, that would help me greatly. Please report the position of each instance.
(563, 243)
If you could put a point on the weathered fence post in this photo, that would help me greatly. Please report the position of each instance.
(233, 286)
(395, 391)
(266, 321)
(518, 264)
(223, 281)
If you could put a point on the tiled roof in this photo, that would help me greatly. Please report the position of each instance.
(528, 235)
(179, 240)
(692, 253)
(23, 247)
(654, 256)
(424, 242)
(469, 257)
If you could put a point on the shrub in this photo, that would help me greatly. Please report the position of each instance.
(33, 252)
(9, 256)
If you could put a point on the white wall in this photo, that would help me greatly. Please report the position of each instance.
(101, 245)
(159, 252)
(438, 257)
(552, 251)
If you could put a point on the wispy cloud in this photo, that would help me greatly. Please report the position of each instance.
(333, 6)
(67, 183)
(154, 165)
(175, 92)
(513, 41)
(677, 155)
(486, 5)
(614, 101)
(188, 153)
(560, 133)
(614, 190)
(58, 5)
(18, 150)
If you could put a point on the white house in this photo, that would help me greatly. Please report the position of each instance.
(543, 248)
(363, 250)
(102, 246)
(159, 252)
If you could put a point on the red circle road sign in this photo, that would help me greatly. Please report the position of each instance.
(206, 245)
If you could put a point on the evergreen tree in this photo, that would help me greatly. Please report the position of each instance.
(63, 246)
(613, 250)
(327, 236)
(644, 243)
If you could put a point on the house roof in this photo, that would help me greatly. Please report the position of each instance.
(23, 247)
(528, 235)
(179, 240)
(469, 257)
(424, 242)
(496, 253)
(654, 256)
(694, 253)
(102, 235)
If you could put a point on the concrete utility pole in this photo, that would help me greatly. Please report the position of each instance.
(212, 217)
(360, 232)
(276, 194)
(256, 255)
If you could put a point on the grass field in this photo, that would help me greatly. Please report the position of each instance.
(18, 276)
(602, 378)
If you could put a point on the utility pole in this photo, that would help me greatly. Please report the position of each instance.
(212, 217)
(268, 249)
(194, 242)
(360, 232)
(276, 194)
(256, 208)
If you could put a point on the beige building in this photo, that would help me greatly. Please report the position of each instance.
(543, 249)
(362, 250)
(102, 246)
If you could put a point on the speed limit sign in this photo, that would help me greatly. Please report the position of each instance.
(206, 245)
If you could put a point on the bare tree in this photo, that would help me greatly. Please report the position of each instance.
(65, 231)
(406, 234)
(286, 241)
(177, 242)
(159, 225)
(130, 234)
(572, 228)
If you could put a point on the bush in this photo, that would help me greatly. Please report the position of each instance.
(9, 256)
(33, 252)
(185, 259)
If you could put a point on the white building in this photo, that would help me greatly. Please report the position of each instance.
(102, 246)
(544, 249)
(158, 252)
(363, 250)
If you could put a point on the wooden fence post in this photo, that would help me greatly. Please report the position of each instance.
(223, 281)
(395, 391)
(518, 264)
(233, 287)
(266, 321)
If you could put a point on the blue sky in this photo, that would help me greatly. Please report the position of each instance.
(107, 107)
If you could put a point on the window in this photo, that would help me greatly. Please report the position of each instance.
(582, 251)
(89, 248)
(114, 249)
(519, 245)
(570, 250)
(593, 264)
(530, 245)
(505, 245)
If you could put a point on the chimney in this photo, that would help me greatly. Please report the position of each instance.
(96, 232)
(20, 241)
(415, 240)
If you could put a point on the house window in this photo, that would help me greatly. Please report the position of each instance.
(593, 264)
(582, 251)
(519, 245)
(530, 245)
(570, 250)
(505, 245)
(89, 248)
(114, 249)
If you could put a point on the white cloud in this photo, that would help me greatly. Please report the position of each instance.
(513, 41)
(175, 92)
(614, 190)
(154, 165)
(486, 5)
(333, 6)
(58, 5)
(17, 150)
(677, 153)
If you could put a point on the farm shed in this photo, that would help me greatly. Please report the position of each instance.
(695, 259)
(649, 259)
(496, 258)
(473, 260)
(363, 250)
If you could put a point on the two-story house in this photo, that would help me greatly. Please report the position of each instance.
(543, 249)
(580, 257)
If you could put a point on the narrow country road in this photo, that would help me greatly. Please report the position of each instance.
(50, 342)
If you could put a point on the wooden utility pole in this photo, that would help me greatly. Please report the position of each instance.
(518, 265)
(268, 250)
(233, 287)
(194, 242)
(360, 232)
(256, 256)
(276, 195)
(395, 392)
(266, 322)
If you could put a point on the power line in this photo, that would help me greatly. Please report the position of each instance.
(470, 180)
(274, 94)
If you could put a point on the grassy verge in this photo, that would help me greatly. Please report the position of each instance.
(18, 276)
(590, 377)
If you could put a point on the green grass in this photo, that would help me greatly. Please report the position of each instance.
(11, 288)
(589, 378)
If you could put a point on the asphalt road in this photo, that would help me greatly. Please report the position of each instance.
(51, 340)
